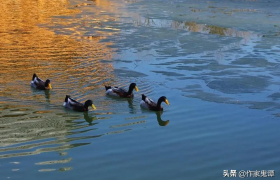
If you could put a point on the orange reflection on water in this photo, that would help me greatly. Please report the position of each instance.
(27, 48)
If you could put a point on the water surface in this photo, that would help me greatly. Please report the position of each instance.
(216, 62)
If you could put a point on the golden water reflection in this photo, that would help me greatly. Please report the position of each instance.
(74, 66)
(33, 126)
(27, 48)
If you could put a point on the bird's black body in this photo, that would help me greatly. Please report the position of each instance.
(120, 92)
(40, 84)
(76, 106)
(148, 103)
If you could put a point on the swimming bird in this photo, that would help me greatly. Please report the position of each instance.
(149, 104)
(120, 92)
(40, 84)
(77, 106)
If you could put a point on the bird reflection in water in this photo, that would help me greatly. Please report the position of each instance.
(129, 101)
(160, 121)
(89, 118)
(37, 93)
(47, 96)
(132, 110)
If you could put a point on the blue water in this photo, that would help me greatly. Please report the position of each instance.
(216, 62)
